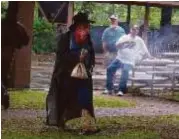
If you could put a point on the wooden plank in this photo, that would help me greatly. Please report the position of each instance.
(165, 85)
(146, 24)
(42, 12)
(143, 3)
(22, 67)
(70, 13)
(147, 79)
(162, 72)
(148, 88)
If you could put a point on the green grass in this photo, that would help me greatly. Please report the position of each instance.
(28, 99)
(174, 97)
(124, 127)
(128, 127)
(125, 135)
(112, 102)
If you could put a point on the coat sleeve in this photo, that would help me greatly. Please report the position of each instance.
(92, 53)
(65, 57)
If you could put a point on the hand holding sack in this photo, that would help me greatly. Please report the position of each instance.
(80, 70)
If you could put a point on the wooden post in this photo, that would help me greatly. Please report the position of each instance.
(7, 43)
(146, 24)
(22, 64)
(128, 20)
(166, 16)
(165, 22)
(70, 13)
(12, 11)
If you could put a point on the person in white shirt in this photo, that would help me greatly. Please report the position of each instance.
(131, 49)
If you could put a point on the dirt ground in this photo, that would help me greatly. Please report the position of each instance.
(145, 106)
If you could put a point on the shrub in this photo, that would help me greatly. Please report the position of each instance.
(43, 36)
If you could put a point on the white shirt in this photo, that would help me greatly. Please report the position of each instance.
(133, 54)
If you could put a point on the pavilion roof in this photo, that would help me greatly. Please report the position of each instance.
(143, 3)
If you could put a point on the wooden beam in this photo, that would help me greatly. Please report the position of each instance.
(70, 13)
(42, 12)
(143, 3)
(22, 67)
(146, 24)
(12, 11)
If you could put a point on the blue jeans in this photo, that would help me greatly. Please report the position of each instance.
(111, 70)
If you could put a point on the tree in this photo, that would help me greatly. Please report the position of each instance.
(100, 12)
(4, 6)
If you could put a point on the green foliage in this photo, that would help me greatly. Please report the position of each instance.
(154, 18)
(100, 12)
(175, 16)
(4, 6)
(43, 36)
(44, 32)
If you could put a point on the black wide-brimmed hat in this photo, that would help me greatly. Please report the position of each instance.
(80, 18)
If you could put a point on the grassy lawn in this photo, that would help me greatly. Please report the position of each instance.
(174, 97)
(28, 99)
(123, 127)
(128, 127)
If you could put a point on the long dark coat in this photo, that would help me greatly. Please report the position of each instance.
(62, 100)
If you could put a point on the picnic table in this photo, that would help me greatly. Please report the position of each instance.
(153, 62)
(163, 73)
(156, 62)
(175, 68)
(173, 55)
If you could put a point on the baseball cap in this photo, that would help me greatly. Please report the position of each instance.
(113, 17)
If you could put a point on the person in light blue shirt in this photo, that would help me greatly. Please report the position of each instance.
(109, 38)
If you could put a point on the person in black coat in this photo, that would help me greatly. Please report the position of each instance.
(70, 97)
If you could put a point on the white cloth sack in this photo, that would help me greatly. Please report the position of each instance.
(79, 71)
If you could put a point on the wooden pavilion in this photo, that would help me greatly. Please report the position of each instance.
(22, 65)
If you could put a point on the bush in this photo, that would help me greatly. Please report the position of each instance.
(43, 36)
(4, 6)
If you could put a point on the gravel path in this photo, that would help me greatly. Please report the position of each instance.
(144, 107)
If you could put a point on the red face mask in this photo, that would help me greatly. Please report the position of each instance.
(81, 33)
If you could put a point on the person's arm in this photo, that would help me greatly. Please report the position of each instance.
(104, 44)
(92, 53)
(122, 32)
(63, 51)
(66, 59)
(144, 50)
(122, 40)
